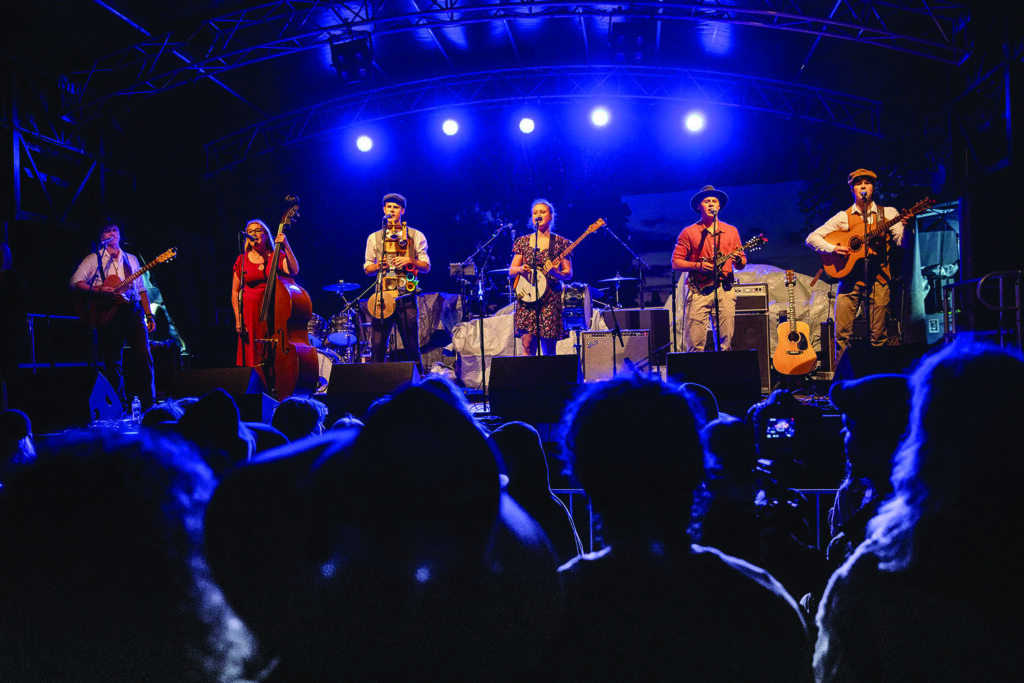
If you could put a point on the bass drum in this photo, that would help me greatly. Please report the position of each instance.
(327, 360)
(343, 330)
(576, 306)
(315, 329)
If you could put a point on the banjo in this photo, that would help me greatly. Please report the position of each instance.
(523, 285)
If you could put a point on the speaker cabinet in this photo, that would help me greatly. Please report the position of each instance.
(354, 386)
(734, 377)
(751, 334)
(654, 319)
(604, 357)
(532, 388)
(861, 361)
(242, 384)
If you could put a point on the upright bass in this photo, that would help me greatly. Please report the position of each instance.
(287, 364)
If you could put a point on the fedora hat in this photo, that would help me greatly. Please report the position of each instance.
(708, 191)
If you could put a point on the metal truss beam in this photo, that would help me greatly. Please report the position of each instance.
(494, 88)
(930, 29)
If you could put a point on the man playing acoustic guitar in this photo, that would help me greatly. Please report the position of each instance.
(698, 247)
(853, 289)
(97, 276)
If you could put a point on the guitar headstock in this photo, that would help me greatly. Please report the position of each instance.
(755, 243)
(167, 255)
(790, 278)
(595, 225)
(920, 207)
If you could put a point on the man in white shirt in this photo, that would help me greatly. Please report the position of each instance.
(854, 291)
(401, 253)
(97, 276)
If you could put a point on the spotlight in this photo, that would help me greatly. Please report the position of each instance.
(450, 127)
(352, 58)
(600, 116)
(694, 122)
(526, 125)
(364, 143)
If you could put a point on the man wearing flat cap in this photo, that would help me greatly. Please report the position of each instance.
(854, 291)
(396, 254)
(708, 297)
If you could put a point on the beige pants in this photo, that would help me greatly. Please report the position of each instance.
(847, 304)
(699, 311)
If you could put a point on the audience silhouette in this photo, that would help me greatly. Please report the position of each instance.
(652, 605)
(102, 576)
(934, 592)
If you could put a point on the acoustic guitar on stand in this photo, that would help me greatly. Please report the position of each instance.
(794, 354)
(96, 309)
(523, 284)
(856, 240)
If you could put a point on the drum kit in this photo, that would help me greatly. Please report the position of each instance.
(344, 338)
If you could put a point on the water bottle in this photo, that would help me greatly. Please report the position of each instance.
(136, 411)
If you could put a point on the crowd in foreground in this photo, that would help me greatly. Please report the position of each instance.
(208, 549)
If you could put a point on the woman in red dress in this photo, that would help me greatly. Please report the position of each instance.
(250, 269)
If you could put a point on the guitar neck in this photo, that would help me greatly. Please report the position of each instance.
(568, 250)
(135, 276)
(791, 310)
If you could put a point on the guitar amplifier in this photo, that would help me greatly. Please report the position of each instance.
(604, 357)
(751, 298)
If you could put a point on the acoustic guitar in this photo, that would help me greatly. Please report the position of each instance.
(838, 266)
(97, 309)
(794, 354)
(523, 285)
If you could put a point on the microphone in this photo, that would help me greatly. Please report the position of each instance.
(536, 221)
(107, 241)
(713, 212)
(247, 236)
(864, 195)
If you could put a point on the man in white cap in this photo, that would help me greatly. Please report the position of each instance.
(853, 289)
(709, 293)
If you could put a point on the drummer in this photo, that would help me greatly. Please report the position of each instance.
(542, 319)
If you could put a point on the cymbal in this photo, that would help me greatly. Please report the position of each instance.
(619, 278)
(341, 287)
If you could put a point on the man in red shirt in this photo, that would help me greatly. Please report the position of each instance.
(709, 295)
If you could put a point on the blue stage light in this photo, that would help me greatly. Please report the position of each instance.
(694, 122)
(450, 127)
(526, 125)
(600, 116)
(364, 143)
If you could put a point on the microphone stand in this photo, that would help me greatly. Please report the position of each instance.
(714, 280)
(480, 276)
(243, 332)
(379, 286)
(675, 321)
(869, 286)
(536, 285)
(640, 264)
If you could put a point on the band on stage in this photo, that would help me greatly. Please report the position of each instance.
(856, 246)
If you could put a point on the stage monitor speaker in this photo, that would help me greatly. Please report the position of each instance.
(532, 388)
(63, 398)
(750, 333)
(734, 377)
(242, 384)
(604, 357)
(654, 319)
(354, 386)
(861, 361)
